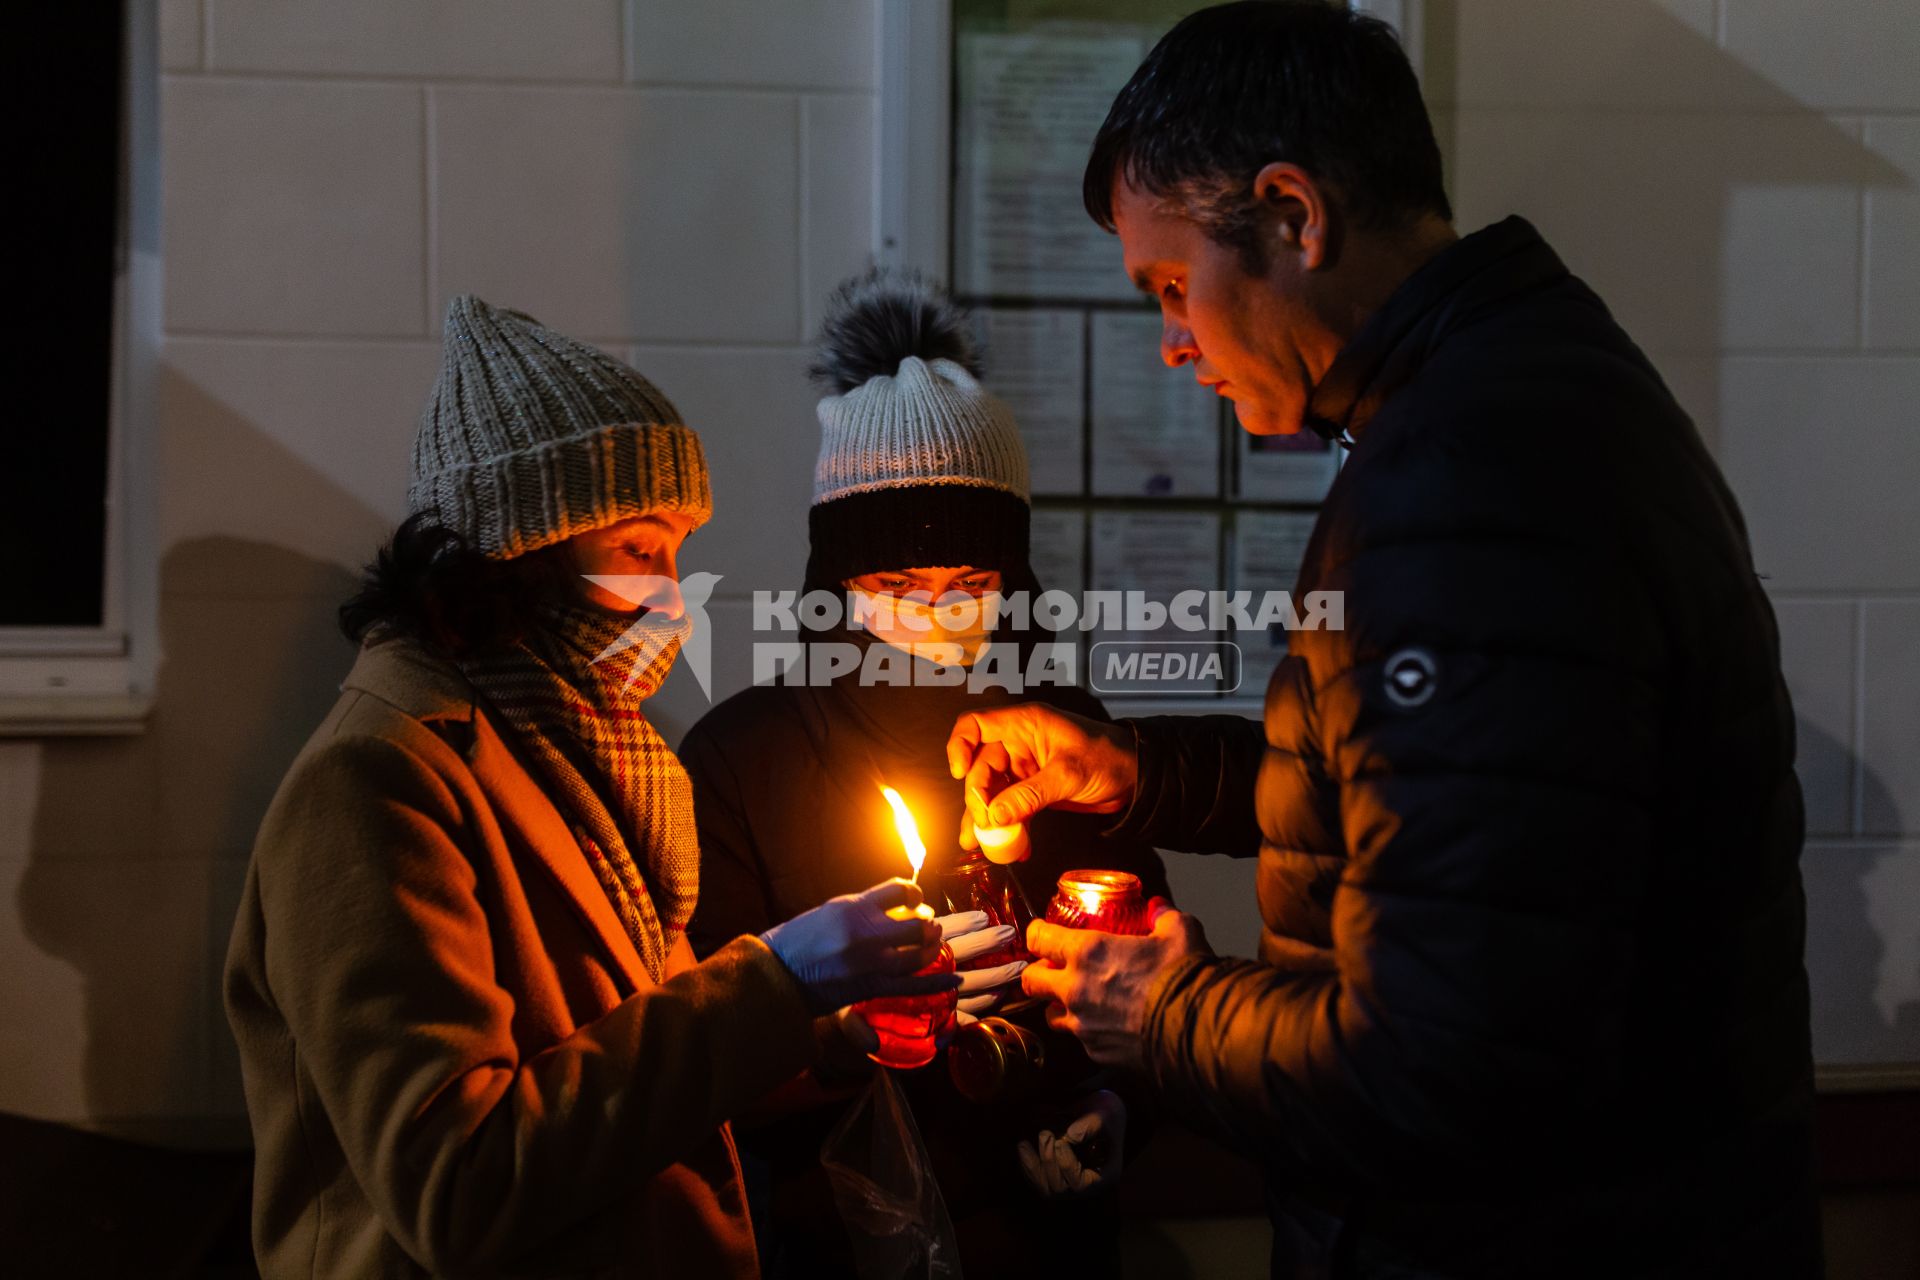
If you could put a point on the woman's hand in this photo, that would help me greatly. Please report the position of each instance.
(1067, 1165)
(969, 937)
(849, 948)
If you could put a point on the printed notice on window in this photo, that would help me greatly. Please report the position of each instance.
(1143, 559)
(1156, 432)
(1059, 554)
(1027, 109)
(1035, 361)
(1268, 547)
(1159, 552)
(1277, 468)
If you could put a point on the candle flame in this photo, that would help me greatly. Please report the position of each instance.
(909, 831)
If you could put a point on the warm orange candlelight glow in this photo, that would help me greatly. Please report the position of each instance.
(1108, 901)
(909, 831)
(996, 839)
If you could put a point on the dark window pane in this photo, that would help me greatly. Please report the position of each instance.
(53, 482)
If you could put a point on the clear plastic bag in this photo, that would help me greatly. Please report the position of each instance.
(884, 1186)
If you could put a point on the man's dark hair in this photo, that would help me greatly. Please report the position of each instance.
(430, 584)
(1236, 87)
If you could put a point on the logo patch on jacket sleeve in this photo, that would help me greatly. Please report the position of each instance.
(1410, 677)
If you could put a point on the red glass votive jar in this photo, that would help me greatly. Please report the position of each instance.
(976, 884)
(909, 1026)
(1107, 901)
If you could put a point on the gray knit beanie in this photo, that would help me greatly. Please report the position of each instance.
(919, 464)
(531, 437)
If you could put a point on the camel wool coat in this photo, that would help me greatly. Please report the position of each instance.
(454, 1061)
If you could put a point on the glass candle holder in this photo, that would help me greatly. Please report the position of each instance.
(909, 1026)
(1107, 901)
(996, 1060)
(976, 884)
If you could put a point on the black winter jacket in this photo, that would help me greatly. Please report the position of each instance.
(1531, 998)
(786, 792)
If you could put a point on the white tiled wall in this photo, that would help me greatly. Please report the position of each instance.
(1856, 55)
(682, 181)
(293, 207)
(1889, 717)
(485, 39)
(580, 206)
(1817, 652)
(1893, 239)
(813, 44)
(1823, 452)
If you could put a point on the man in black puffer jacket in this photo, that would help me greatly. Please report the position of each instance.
(1531, 998)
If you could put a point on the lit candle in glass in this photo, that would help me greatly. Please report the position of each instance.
(908, 1026)
(1107, 901)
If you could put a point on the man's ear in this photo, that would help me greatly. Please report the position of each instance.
(1302, 214)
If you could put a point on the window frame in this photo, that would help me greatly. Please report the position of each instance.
(913, 189)
(60, 680)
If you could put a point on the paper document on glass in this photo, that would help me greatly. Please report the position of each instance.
(1267, 549)
(1059, 557)
(1295, 468)
(1036, 362)
(1028, 105)
(1156, 432)
(1143, 561)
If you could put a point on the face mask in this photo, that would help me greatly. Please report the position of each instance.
(951, 635)
(640, 659)
(630, 654)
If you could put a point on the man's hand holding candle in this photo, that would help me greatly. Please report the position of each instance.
(1056, 759)
(1098, 982)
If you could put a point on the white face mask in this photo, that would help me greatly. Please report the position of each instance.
(953, 631)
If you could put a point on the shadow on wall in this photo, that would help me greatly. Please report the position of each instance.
(1863, 938)
(1709, 208)
(138, 844)
(1715, 213)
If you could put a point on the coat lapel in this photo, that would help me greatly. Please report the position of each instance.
(520, 803)
(415, 682)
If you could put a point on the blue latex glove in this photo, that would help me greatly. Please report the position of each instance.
(846, 949)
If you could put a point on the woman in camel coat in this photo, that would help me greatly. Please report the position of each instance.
(473, 1037)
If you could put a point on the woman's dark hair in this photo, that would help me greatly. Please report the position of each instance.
(429, 584)
(1236, 87)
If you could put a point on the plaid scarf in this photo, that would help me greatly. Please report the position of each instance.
(571, 693)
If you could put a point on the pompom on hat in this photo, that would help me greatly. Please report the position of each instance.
(919, 464)
(531, 437)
